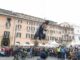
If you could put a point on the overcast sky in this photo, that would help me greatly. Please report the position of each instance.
(56, 10)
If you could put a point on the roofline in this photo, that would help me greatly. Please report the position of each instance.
(20, 15)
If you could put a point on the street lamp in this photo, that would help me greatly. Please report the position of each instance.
(14, 32)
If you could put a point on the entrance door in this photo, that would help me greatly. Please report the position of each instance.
(6, 39)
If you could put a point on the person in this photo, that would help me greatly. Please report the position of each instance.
(72, 55)
(2, 52)
(29, 53)
(23, 54)
(40, 32)
(77, 54)
(16, 53)
(7, 51)
(31, 50)
(59, 52)
(43, 55)
(63, 53)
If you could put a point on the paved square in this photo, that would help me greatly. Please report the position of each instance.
(34, 58)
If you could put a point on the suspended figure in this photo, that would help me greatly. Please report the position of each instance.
(40, 31)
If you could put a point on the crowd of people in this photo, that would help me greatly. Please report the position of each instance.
(61, 52)
(6, 51)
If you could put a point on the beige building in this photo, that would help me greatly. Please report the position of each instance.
(20, 28)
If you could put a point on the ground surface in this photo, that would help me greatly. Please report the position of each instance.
(34, 58)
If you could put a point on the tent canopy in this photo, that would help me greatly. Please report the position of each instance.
(52, 44)
(74, 43)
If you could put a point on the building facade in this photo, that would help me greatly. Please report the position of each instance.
(68, 33)
(20, 28)
(76, 32)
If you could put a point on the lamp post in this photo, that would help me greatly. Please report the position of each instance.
(14, 32)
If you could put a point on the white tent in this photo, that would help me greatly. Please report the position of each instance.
(31, 44)
(26, 44)
(41, 45)
(52, 44)
(74, 43)
(17, 43)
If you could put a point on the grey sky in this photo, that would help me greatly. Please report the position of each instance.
(56, 10)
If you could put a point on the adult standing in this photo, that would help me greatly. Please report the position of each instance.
(16, 53)
(23, 54)
(43, 55)
(63, 53)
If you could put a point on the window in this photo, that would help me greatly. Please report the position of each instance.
(54, 31)
(37, 23)
(19, 21)
(32, 29)
(18, 27)
(48, 31)
(59, 32)
(30, 22)
(79, 38)
(72, 37)
(32, 36)
(18, 35)
(28, 35)
(51, 32)
(48, 38)
(33, 23)
(52, 38)
(27, 22)
(28, 28)
(8, 19)
(8, 24)
(6, 34)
